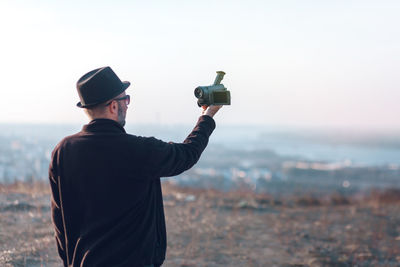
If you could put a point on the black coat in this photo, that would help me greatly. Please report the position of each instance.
(107, 204)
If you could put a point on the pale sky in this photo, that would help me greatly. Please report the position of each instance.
(300, 63)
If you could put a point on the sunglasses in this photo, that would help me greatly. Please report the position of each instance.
(127, 99)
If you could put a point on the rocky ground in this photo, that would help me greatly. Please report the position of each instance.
(210, 228)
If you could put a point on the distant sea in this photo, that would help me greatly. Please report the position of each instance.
(363, 148)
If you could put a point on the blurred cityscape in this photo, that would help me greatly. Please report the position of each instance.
(251, 159)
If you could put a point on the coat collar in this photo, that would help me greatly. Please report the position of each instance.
(103, 125)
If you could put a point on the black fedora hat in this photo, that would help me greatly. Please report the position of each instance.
(98, 86)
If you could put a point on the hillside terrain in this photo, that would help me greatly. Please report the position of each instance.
(211, 228)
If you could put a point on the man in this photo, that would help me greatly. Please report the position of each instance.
(107, 205)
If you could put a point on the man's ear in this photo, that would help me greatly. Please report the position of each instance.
(113, 107)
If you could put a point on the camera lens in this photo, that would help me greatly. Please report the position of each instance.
(198, 92)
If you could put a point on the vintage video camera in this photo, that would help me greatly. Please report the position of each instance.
(215, 94)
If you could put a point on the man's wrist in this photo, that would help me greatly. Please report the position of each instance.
(208, 120)
(208, 113)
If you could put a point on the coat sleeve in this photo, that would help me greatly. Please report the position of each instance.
(56, 212)
(169, 159)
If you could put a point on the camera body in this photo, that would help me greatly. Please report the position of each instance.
(215, 94)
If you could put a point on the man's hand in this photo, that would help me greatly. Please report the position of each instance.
(210, 110)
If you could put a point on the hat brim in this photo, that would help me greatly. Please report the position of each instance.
(125, 85)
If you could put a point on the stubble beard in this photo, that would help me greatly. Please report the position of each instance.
(121, 115)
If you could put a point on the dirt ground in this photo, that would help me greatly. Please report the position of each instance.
(210, 228)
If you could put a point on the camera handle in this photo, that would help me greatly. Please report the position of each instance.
(220, 76)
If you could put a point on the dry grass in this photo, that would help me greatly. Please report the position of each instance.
(210, 228)
(35, 188)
